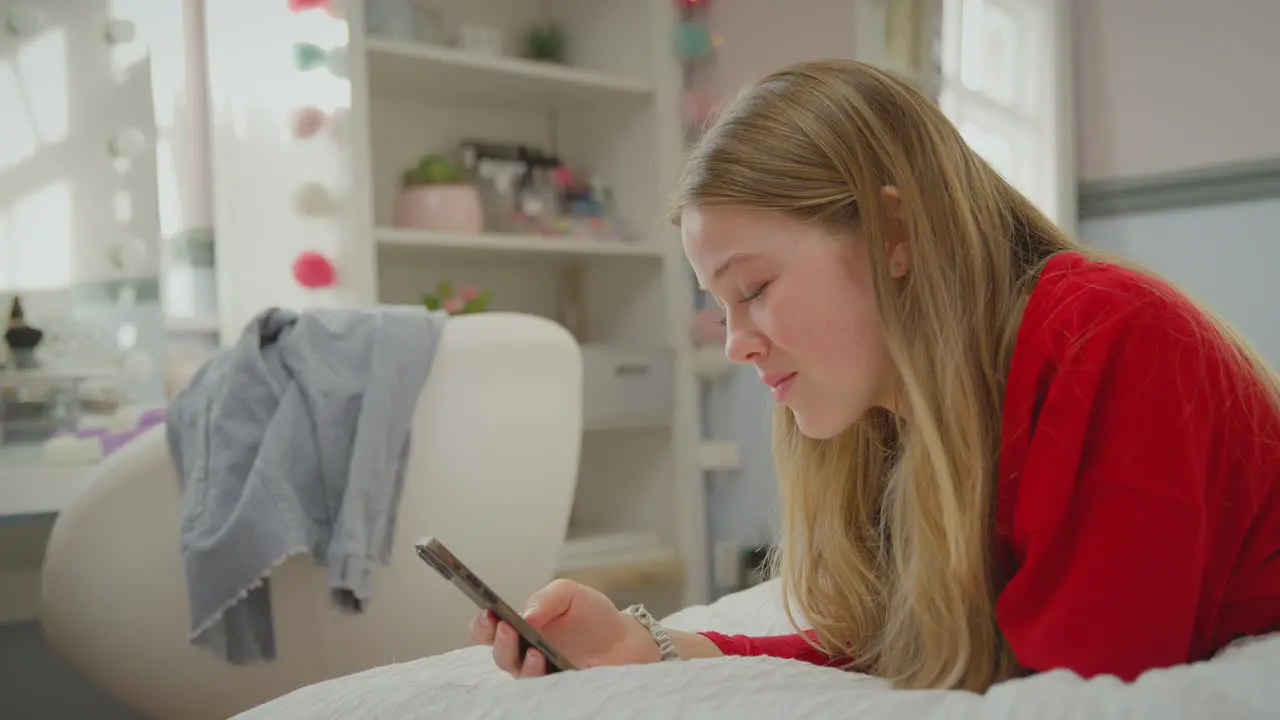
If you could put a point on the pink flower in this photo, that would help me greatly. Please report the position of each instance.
(452, 304)
(562, 177)
(468, 292)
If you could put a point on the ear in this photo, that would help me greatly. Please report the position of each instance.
(897, 250)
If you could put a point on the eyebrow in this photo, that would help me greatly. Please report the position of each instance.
(728, 264)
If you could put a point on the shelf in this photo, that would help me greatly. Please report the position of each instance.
(718, 455)
(207, 325)
(10, 378)
(32, 488)
(619, 561)
(436, 74)
(488, 243)
(627, 575)
(710, 363)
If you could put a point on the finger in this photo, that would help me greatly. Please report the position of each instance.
(482, 628)
(550, 603)
(506, 650)
(535, 665)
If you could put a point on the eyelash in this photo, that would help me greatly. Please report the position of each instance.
(754, 294)
(724, 321)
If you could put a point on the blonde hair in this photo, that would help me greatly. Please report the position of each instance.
(886, 529)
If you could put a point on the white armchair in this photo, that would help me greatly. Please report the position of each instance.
(492, 472)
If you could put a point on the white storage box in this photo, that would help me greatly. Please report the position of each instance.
(627, 385)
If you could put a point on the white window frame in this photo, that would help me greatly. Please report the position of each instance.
(1040, 122)
(1043, 123)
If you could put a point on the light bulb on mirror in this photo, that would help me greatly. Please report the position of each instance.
(130, 256)
(120, 32)
(126, 144)
(24, 22)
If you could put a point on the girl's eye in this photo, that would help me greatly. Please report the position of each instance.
(746, 299)
(754, 293)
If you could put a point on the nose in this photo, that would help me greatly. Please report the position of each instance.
(743, 345)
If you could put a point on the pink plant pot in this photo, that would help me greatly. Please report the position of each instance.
(444, 208)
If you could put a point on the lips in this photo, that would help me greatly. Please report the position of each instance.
(780, 383)
(773, 380)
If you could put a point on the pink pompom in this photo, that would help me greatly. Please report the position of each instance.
(313, 270)
(452, 304)
(307, 122)
(468, 292)
(303, 5)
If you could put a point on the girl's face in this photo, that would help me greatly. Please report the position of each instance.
(800, 307)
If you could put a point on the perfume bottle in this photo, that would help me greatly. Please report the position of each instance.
(22, 339)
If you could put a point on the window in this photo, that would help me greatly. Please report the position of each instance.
(1004, 80)
(1000, 70)
(35, 209)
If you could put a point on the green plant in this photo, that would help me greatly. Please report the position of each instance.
(432, 170)
(546, 42)
(462, 301)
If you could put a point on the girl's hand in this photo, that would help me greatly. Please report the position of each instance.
(579, 622)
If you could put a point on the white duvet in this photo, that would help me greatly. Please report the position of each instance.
(1241, 682)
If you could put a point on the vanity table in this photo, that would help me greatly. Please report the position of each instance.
(34, 491)
(33, 484)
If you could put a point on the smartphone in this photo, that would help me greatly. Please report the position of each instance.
(435, 554)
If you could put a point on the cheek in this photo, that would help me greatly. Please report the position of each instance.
(828, 327)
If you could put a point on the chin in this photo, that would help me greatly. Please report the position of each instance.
(816, 427)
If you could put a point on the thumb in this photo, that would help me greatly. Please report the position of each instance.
(549, 603)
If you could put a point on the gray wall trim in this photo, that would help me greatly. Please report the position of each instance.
(1236, 182)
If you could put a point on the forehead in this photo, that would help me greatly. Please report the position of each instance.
(716, 239)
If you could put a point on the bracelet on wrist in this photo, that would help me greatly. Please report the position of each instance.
(666, 645)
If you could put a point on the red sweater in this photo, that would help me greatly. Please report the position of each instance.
(1138, 506)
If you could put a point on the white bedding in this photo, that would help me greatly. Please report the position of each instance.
(1242, 682)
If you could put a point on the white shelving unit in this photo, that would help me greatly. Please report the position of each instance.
(610, 111)
(493, 244)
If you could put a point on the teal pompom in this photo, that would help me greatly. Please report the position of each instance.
(692, 40)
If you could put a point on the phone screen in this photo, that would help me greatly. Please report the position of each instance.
(435, 554)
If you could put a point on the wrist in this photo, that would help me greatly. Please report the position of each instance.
(659, 635)
(640, 643)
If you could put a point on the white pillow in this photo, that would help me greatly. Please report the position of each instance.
(754, 611)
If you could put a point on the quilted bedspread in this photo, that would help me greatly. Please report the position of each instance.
(1241, 682)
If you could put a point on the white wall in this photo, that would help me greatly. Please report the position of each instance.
(1168, 85)
(764, 35)
(1165, 85)
(1223, 255)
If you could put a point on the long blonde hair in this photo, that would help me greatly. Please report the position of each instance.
(886, 528)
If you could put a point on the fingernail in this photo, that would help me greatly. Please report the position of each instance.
(529, 610)
(531, 659)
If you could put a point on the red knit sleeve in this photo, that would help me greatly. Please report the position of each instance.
(1110, 518)
(788, 647)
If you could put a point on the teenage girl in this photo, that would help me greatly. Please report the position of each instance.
(998, 451)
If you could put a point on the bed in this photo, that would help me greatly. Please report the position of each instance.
(1243, 681)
